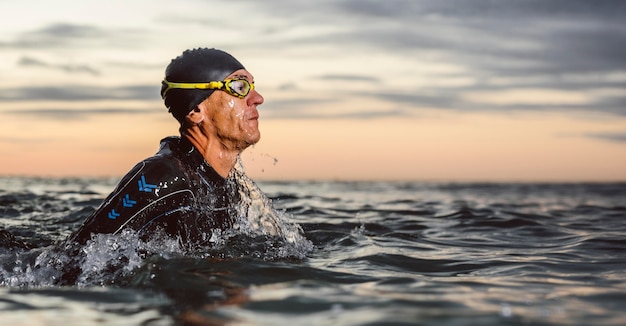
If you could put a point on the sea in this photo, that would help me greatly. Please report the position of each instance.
(369, 253)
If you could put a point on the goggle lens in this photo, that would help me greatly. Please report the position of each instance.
(238, 87)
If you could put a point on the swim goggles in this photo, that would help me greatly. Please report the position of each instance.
(238, 87)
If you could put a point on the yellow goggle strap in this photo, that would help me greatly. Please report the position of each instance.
(209, 85)
(225, 85)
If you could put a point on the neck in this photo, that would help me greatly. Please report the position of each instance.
(218, 155)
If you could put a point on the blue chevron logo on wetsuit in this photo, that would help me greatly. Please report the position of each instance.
(145, 186)
(113, 214)
(127, 202)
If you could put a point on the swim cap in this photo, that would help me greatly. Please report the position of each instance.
(200, 65)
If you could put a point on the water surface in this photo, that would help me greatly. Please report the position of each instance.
(376, 253)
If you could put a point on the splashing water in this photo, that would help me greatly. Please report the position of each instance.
(259, 231)
(258, 217)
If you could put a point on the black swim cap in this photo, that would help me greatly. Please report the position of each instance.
(200, 65)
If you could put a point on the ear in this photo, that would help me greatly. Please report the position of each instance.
(196, 115)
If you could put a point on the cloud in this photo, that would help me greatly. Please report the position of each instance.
(472, 9)
(31, 62)
(619, 137)
(358, 78)
(64, 35)
(452, 99)
(66, 114)
(293, 108)
(543, 36)
(68, 31)
(80, 93)
(441, 100)
(136, 65)
(327, 108)
(555, 45)
(558, 45)
(55, 35)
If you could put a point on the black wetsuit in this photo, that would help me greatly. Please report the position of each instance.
(175, 191)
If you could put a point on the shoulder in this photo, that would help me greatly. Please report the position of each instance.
(160, 171)
(155, 186)
(156, 176)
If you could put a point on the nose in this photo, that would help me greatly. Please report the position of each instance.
(255, 98)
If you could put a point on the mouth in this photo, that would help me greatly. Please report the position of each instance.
(254, 117)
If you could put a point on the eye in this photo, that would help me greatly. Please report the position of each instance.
(240, 86)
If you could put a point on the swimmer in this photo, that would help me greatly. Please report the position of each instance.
(186, 189)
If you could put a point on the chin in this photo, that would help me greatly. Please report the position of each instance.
(255, 140)
(254, 136)
(249, 142)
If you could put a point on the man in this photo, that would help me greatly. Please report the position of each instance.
(188, 189)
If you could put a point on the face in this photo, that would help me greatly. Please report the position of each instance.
(234, 121)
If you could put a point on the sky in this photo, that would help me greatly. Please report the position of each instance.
(423, 90)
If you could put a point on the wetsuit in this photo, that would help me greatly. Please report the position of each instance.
(175, 191)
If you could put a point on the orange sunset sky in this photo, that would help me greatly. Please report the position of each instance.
(354, 90)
